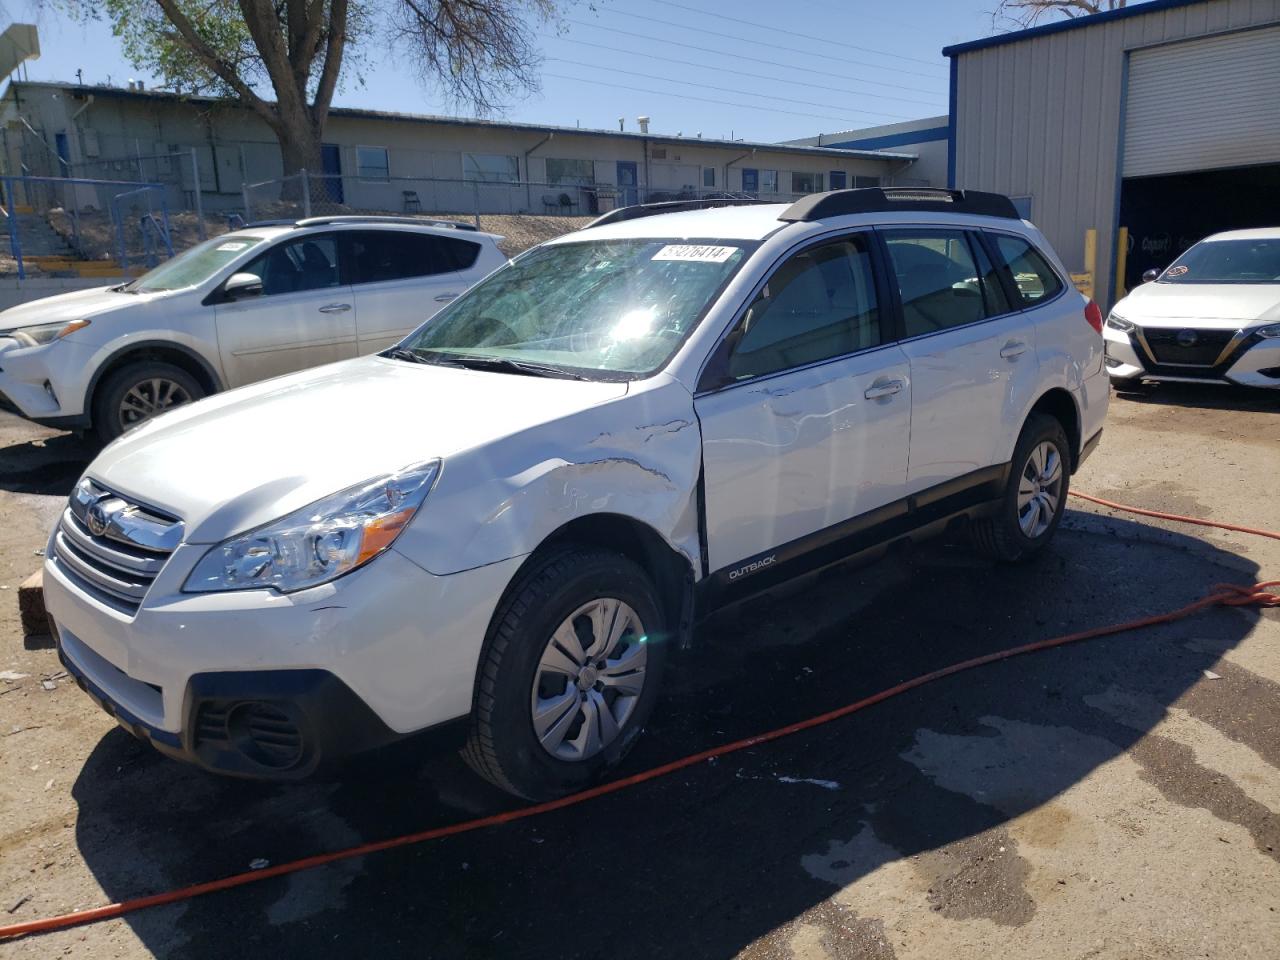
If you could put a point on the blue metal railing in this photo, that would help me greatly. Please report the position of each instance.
(154, 228)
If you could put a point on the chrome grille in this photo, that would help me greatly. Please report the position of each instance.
(111, 547)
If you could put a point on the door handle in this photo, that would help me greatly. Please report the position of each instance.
(883, 388)
(446, 297)
(335, 308)
(1013, 349)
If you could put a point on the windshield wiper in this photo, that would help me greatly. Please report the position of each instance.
(508, 365)
(404, 353)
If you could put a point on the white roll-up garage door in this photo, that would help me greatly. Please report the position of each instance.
(1204, 104)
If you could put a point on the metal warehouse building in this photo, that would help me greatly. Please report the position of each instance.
(1162, 118)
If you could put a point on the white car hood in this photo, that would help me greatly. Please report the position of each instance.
(65, 307)
(241, 459)
(1212, 306)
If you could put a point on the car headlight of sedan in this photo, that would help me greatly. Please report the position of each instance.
(46, 332)
(320, 542)
(1117, 322)
(1271, 331)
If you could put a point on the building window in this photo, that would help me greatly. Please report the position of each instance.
(838, 179)
(750, 181)
(490, 167)
(865, 181)
(806, 183)
(372, 163)
(708, 176)
(768, 181)
(570, 171)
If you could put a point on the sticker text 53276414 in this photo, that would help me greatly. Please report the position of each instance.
(695, 253)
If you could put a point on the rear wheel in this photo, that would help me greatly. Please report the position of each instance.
(1035, 494)
(139, 391)
(569, 675)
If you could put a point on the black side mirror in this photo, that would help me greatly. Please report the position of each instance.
(242, 286)
(1149, 275)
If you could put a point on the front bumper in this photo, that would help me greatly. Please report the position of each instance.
(1247, 359)
(48, 383)
(259, 684)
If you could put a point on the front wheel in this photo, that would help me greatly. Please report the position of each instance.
(569, 674)
(1034, 497)
(139, 391)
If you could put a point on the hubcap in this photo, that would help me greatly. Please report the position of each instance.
(150, 398)
(1040, 489)
(589, 679)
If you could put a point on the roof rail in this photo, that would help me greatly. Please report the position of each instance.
(375, 218)
(253, 224)
(839, 203)
(636, 211)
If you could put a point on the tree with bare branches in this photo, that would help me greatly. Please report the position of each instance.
(285, 59)
(1028, 13)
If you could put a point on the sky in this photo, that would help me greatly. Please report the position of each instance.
(763, 70)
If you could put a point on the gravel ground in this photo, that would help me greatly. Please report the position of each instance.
(1118, 798)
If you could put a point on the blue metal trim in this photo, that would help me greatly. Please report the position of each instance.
(1114, 281)
(894, 139)
(952, 97)
(1061, 26)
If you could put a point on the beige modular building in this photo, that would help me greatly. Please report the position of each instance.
(376, 160)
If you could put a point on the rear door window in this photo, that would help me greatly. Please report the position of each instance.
(376, 256)
(938, 279)
(1030, 272)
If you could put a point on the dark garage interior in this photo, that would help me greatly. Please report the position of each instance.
(1167, 214)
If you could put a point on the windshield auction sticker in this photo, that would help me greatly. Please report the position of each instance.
(695, 253)
(231, 246)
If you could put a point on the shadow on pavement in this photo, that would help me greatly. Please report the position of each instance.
(50, 465)
(1207, 396)
(708, 861)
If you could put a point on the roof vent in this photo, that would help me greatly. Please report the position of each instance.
(644, 124)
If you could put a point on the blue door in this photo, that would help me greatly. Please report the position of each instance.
(750, 181)
(64, 154)
(331, 163)
(838, 180)
(627, 182)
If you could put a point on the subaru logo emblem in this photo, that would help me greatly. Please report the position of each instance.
(1187, 338)
(96, 520)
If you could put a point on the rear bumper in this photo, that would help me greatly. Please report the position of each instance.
(267, 724)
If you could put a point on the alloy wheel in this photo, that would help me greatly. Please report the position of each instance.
(589, 679)
(1040, 489)
(150, 398)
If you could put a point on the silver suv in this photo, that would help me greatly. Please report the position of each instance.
(268, 299)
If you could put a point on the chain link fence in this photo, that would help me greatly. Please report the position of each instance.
(314, 195)
(83, 226)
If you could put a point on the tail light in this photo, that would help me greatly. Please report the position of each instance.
(1093, 314)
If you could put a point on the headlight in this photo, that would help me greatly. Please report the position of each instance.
(1271, 331)
(1117, 322)
(320, 542)
(46, 332)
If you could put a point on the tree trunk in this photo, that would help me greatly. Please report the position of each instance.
(300, 150)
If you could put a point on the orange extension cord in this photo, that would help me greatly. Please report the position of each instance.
(1224, 594)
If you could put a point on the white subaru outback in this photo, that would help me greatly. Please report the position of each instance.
(494, 532)
(269, 299)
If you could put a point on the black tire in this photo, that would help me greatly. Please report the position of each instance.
(107, 424)
(1002, 536)
(503, 746)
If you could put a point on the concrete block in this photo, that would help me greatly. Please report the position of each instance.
(36, 630)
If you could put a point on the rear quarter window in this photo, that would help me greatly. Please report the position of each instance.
(1035, 281)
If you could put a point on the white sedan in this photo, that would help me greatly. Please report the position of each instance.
(1213, 316)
